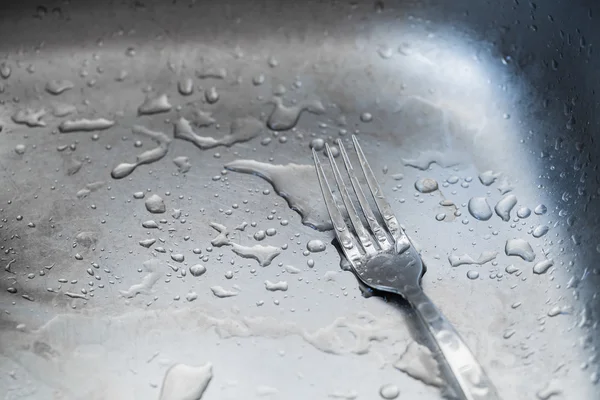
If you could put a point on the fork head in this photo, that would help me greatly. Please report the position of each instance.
(381, 256)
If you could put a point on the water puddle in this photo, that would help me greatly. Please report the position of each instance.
(241, 130)
(296, 183)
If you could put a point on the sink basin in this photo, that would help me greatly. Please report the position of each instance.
(159, 199)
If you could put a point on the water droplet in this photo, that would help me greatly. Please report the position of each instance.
(186, 86)
(185, 382)
(540, 231)
(259, 235)
(5, 70)
(20, 149)
(428, 157)
(85, 125)
(389, 392)
(29, 117)
(318, 144)
(155, 105)
(147, 242)
(151, 266)
(550, 390)
(473, 274)
(182, 163)
(296, 183)
(540, 209)
(509, 333)
(221, 292)
(315, 246)
(426, 185)
(523, 212)
(479, 208)
(466, 259)
(258, 80)
(554, 311)
(155, 204)
(418, 363)
(191, 296)
(197, 270)
(440, 217)
(366, 117)
(505, 206)
(212, 73)
(276, 286)
(241, 130)
(150, 224)
(263, 254)
(177, 257)
(511, 269)
(520, 248)
(283, 118)
(543, 266)
(58, 86)
(211, 95)
(488, 177)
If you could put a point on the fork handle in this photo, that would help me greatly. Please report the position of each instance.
(471, 377)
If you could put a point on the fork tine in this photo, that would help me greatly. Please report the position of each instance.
(342, 232)
(376, 228)
(382, 204)
(359, 228)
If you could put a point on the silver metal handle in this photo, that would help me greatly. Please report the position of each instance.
(470, 376)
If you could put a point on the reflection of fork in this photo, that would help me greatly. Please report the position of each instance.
(385, 259)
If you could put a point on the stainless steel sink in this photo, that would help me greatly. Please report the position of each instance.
(489, 99)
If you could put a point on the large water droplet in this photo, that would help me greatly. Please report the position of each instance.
(543, 266)
(197, 270)
(221, 292)
(523, 212)
(155, 204)
(505, 206)
(540, 231)
(520, 248)
(315, 246)
(185, 382)
(85, 125)
(276, 286)
(283, 118)
(479, 208)
(297, 184)
(155, 105)
(241, 130)
(58, 86)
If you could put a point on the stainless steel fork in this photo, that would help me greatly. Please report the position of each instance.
(384, 258)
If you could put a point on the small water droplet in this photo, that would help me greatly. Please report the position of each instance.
(366, 117)
(389, 392)
(472, 274)
(211, 95)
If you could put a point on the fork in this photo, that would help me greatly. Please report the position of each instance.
(384, 259)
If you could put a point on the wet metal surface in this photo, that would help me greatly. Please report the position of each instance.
(135, 265)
